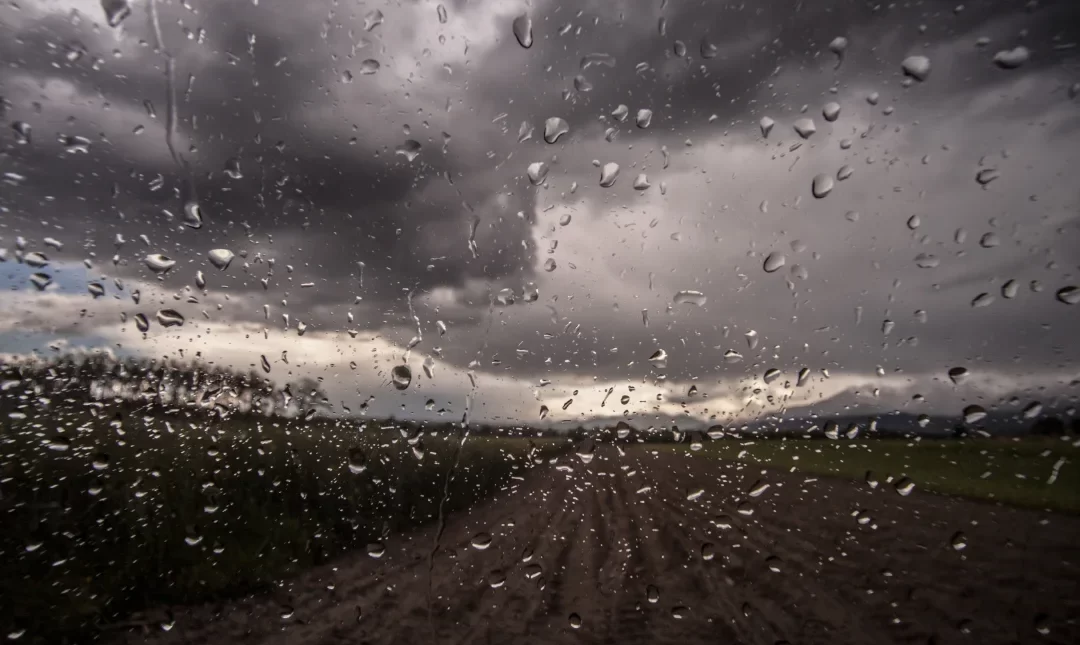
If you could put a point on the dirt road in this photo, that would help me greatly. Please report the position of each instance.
(619, 547)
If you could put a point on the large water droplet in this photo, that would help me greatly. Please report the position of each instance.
(917, 67)
(983, 300)
(927, 261)
(575, 621)
(974, 413)
(220, 258)
(523, 30)
(987, 175)
(401, 376)
(159, 263)
(554, 128)
(608, 174)
(141, 323)
(1068, 295)
(621, 112)
(659, 359)
(169, 318)
(116, 11)
(822, 185)
(774, 261)
(643, 118)
(481, 541)
(357, 461)
(831, 111)
(641, 182)
(373, 19)
(1012, 58)
(805, 127)
(652, 594)
(410, 149)
(690, 297)
(708, 49)
(369, 66)
(766, 126)
(537, 172)
(958, 375)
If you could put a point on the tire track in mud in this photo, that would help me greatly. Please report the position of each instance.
(598, 538)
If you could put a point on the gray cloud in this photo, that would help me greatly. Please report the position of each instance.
(323, 190)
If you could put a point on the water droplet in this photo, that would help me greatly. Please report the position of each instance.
(904, 486)
(679, 612)
(376, 550)
(641, 182)
(549, 265)
(232, 168)
(530, 293)
(608, 174)
(659, 359)
(831, 111)
(652, 594)
(220, 258)
(141, 323)
(357, 461)
(974, 414)
(758, 489)
(958, 541)
(766, 125)
(621, 112)
(585, 451)
(169, 318)
(958, 375)
(410, 149)
(983, 300)
(927, 261)
(554, 128)
(481, 541)
(192, 214)
(1042, 624)
(441, 11)
(690, 297)
(987, 175)
(537, 172)
(822, 185)
(373, 19)
(916, 67)
(872, 98)
(643, 118)
(115, 11)
(522, 27)
(1068, 295)
(708, 49)
(496, 578)
(1012, 58)
(369, 67)
(401, 376)
(543, 412)
(844, 172)
(159, 263)
(751, 336)
(35, 260)
(805, 127)
(708, 551)
(774, 261)
(575, 621)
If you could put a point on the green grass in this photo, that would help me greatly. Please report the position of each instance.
(1011, 471)
(264, 499)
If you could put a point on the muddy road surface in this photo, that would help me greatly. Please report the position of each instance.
(656, 546)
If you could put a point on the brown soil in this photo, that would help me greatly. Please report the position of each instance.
(598, 541)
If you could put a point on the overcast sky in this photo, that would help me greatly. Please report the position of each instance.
(287, 122)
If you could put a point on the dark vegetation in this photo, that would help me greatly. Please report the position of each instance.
(127, 485)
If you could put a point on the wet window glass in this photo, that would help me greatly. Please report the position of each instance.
(539, 321)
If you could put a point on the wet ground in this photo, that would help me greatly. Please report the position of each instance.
(665, 547)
